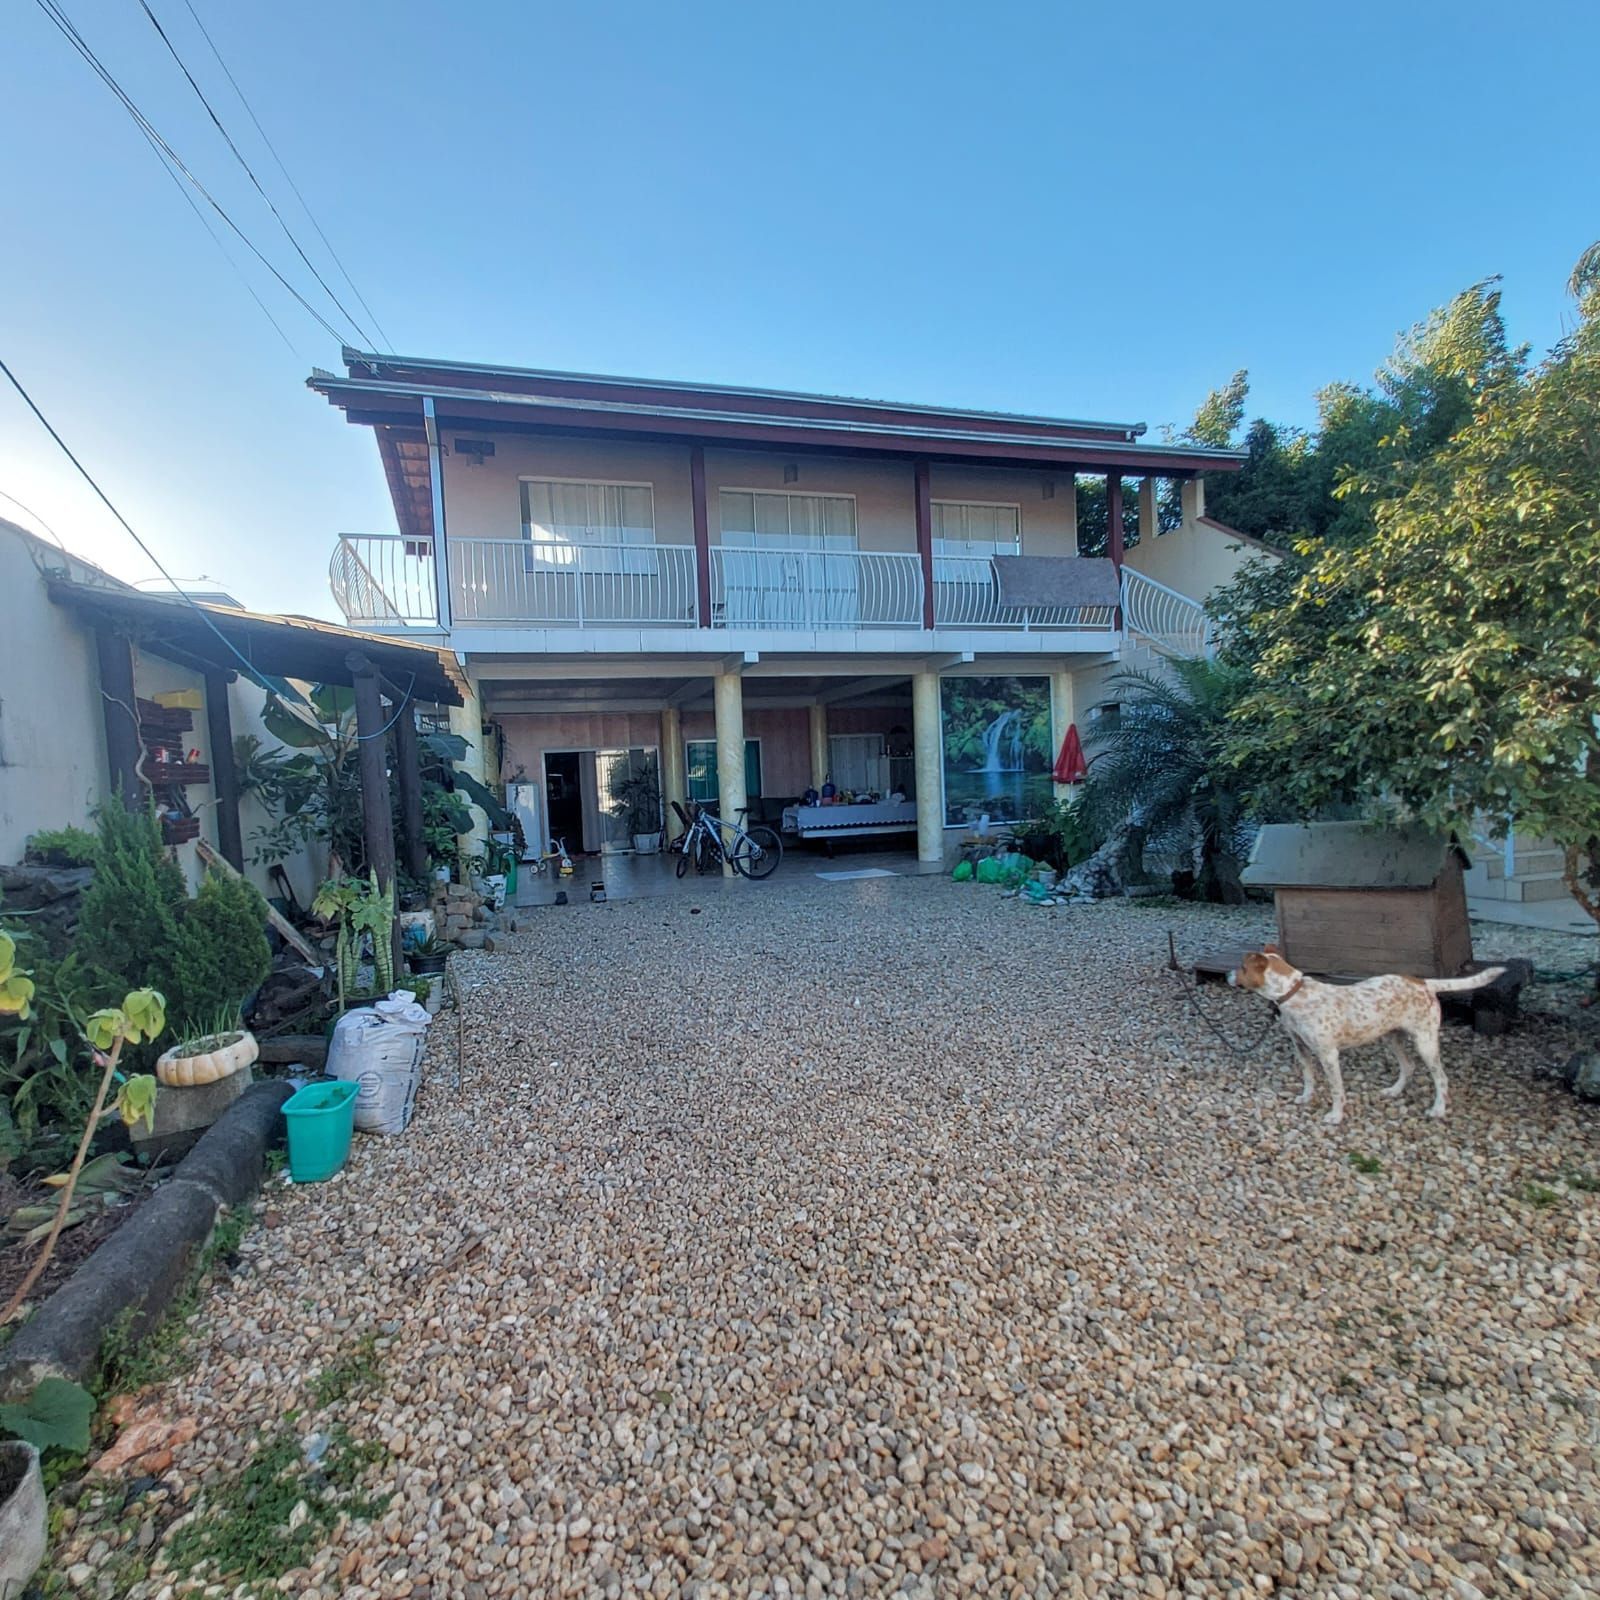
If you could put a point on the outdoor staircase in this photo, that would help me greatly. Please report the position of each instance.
(1164, 622)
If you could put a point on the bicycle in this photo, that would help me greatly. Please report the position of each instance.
(547, 861)
(753, 853)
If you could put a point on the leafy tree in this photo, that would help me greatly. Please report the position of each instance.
(1094, 522)
(1449, 664)
(221, 954)
(1221, 413)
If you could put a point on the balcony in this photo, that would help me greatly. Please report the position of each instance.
(386, 583)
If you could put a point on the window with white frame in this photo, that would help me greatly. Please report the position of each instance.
(589, 526)
(788, 559)
(967, 532)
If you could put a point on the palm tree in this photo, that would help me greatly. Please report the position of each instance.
(1159, 764)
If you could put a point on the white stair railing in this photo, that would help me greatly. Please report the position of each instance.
(1169, 621)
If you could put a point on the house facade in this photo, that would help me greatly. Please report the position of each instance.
(754, 593)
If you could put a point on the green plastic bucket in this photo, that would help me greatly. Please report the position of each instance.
(321, 1116)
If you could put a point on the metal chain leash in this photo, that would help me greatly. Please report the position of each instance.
(1191, 994)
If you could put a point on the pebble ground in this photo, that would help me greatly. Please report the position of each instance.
(893, 1238)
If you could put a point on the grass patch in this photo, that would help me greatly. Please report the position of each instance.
(352, 1371)
(1370, 1165)
(1583, 1182)
(1538, 1196)
(277, 1511)
(129, 1363)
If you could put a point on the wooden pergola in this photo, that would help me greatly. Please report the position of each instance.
(388, 677)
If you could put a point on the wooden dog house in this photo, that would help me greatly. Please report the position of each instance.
(1357, 900)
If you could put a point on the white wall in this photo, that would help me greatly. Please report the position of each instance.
(1197, 558)
(52, 736)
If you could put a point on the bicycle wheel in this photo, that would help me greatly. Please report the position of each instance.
(683, 856)
(757, 853)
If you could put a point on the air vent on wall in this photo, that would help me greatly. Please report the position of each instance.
(477, 449)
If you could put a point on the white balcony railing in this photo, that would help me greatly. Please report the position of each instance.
(966, 594)
(383, 581)
(798, 588)
(574, 585)
(386, 581)
(1172, 622)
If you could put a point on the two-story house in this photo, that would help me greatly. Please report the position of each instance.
(750, 591)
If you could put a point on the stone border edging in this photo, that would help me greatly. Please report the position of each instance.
(143, 1266)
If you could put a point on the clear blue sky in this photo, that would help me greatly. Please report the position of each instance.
(1094, 210)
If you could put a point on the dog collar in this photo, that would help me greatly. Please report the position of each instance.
(1294, 989)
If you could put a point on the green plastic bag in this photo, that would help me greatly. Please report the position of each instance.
(990, 871)
(963, 872)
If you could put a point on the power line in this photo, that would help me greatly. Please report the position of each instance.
(105, 500)
(288, 178)
(52, 10)
(249, 172)
(216, 239)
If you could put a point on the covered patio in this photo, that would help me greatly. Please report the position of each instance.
(747, 733)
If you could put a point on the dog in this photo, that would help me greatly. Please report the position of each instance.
(1323, 1018)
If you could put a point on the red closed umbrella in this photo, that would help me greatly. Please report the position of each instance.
(1070, 766)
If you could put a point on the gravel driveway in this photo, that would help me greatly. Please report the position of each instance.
(890, 1237)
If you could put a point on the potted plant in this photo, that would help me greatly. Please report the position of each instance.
(217, 1052)
(636, 801)
(427, 960)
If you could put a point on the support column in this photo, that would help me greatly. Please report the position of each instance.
(1114, 517)
(408, 774)
(702, 534)
(1063, 713)
(377, 819)
(1071, 489)
(674, 779)
(120, 707)
(924, 511)
(1192, 495)
(224, 775)
(1148, 526)
(441, 542)
(818, 714)
(929, 747)
(727, 700)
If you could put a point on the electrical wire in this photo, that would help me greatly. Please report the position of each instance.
(249, 172)
(22, 506)
(64, 24)
(227, 255)
(105, 500)
(288, 177)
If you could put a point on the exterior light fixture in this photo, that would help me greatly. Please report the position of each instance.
(791, 473)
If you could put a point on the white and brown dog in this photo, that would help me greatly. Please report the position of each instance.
(1323, 1018)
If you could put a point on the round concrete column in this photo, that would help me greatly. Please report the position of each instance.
(674, 780)
(819, 746)
(1063, 713)
(926, 735)
(727, 700)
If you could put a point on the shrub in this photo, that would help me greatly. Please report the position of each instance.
(128, 922)
(221, 954)
(62, 847)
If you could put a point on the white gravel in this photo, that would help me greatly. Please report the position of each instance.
(889, 1237)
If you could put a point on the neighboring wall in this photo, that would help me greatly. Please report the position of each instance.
(52, 736)
(484, 501)
(52, 732)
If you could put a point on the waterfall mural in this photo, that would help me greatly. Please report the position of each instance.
(996, 748)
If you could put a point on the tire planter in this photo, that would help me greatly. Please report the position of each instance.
(230, 1052)
(22, 1518)
(429, 966)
